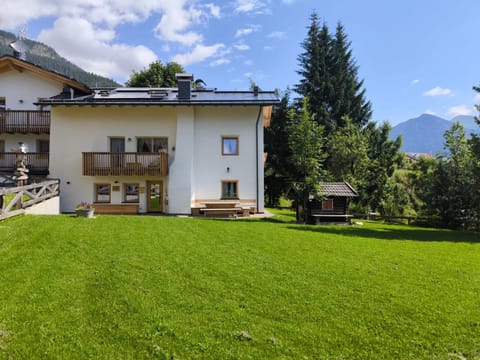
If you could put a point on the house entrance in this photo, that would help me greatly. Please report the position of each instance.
(155, 196)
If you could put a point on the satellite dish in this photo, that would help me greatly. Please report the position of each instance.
(19, 49)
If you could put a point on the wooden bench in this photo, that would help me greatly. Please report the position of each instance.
(116, 209)
(230, 211)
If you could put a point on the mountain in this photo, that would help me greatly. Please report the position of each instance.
(467, 121)
(46, 57)
(424, 134)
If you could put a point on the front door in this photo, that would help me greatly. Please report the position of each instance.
(155, 196)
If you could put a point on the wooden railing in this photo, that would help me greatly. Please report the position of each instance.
(37, 163)
(125, 164)
(24, 122)
(13, 201)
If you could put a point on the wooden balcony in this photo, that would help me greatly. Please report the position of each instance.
(125, 164)
(24, 122)
(37, 163)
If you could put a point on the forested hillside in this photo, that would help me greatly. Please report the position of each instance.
(46, 57)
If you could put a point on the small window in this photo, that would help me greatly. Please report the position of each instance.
(2, 104)
(103, 193)
(230, 145)
(327, 204)
(131, 193)
(230, 189)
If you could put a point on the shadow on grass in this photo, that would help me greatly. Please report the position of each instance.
(384, 233)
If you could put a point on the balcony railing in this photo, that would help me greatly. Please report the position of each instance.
(24, 122)
(37, 163)
(125, 164)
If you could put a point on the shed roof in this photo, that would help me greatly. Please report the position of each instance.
(343, 189)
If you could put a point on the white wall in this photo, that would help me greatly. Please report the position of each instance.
(211, 123)
(77, 129)
(22, 89)
(47, 207)
(30, 140)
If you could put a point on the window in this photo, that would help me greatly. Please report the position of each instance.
(230, 145)
(3, 105)
(43, 146)
(230, 189)
(131, 193)
(2, 146)
(152, 145)
(327, 204)
(103, 193)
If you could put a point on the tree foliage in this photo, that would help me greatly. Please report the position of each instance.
(156, 75)
(329, 78)
(306, 143)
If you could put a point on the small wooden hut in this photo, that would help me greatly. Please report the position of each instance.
(333, 208)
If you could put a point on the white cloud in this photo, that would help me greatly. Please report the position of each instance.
(438, 91)
(198, 54)
(91, 29)
(249, 6)
(277, 35)
(91, 49)
(288, 2)
(247, 31)
(414, 82)
(430, 112)
(241, 47)
(460, 110)
(221, 61)
(214, 10)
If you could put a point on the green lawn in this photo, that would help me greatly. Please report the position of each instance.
(119, 287)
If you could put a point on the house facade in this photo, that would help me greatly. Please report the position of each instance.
(159, 150)
(22, 121)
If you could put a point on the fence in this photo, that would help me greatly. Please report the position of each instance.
(14, 201)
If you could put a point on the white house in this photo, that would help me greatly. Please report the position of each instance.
(22, 122)
(159, 150)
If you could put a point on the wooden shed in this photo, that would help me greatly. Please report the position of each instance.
(332, 209)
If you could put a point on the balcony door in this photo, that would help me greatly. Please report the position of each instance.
(155, 196)
(117, 149)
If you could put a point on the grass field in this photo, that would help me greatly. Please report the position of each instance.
(119, 287)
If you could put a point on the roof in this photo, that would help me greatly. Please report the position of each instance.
(8, 62)
(343, 189)
(168, 96)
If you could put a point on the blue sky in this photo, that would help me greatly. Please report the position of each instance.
(414, 56)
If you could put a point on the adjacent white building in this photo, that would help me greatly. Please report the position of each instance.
(22, 120)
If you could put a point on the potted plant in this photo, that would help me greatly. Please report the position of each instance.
(85, 209)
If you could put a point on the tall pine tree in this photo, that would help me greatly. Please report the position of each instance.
(329, 78)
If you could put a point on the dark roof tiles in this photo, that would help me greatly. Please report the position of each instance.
(338, 189)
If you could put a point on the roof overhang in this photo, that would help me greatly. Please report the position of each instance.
(9, 63)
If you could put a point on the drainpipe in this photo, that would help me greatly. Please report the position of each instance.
(256, 155)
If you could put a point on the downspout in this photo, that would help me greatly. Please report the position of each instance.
(256, 155)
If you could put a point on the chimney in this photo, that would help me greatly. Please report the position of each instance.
(184, 86)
